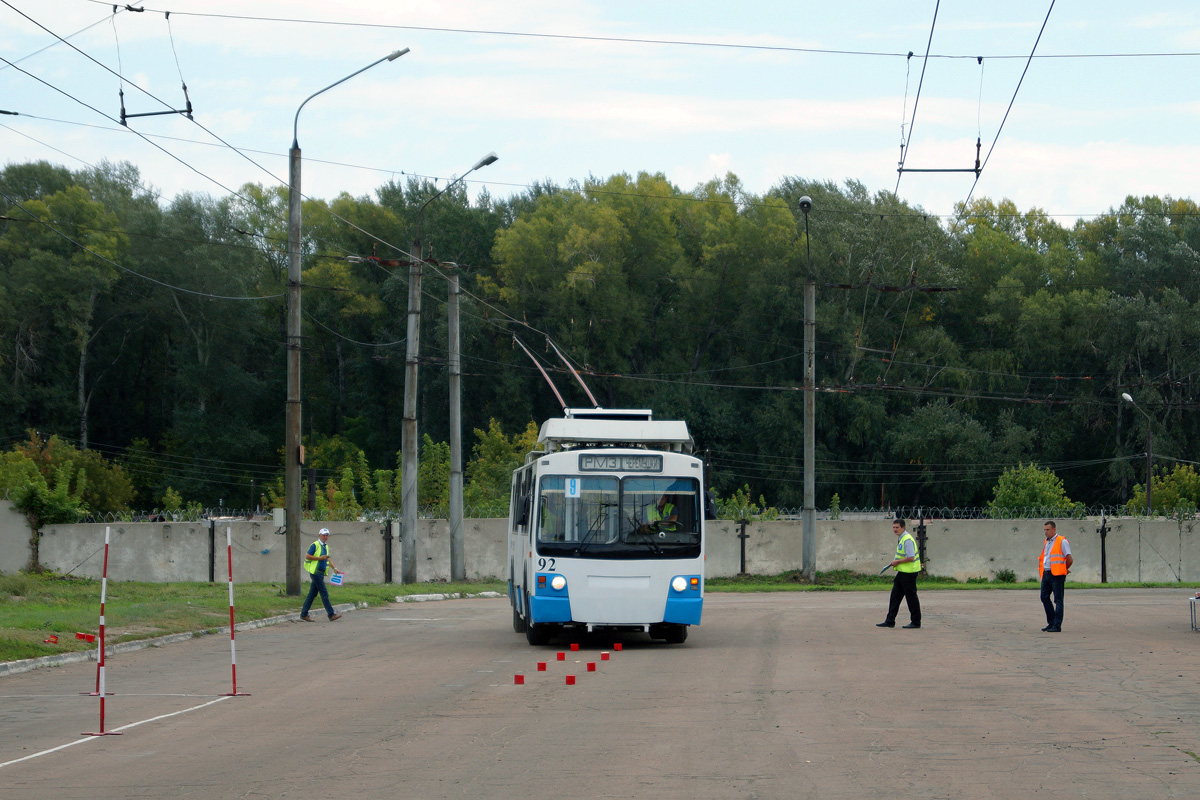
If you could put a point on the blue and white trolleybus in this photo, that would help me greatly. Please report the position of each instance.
(606, 528)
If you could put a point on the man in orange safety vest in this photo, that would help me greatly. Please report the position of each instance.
(1053, 565)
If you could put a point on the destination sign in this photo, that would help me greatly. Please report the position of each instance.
(620, 463)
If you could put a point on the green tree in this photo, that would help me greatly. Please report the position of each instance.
(495, 456)
(433, 473)
(1176, 493)
(1031, 489)
(105, 489)
(171, 501)
(342, 504)
(44, 500)
(54, 269)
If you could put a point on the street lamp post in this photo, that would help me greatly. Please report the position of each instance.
(408, 429)
(292, 457)
(1149, 446)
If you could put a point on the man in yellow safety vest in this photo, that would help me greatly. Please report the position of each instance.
(907, 564)
(316, 561)
(664, 514)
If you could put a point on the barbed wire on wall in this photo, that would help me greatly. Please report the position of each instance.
(200, 514)
(754, 512)
(725, 511)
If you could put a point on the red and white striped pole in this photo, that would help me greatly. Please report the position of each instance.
(232, 644)
(100, 667)
(96, 693)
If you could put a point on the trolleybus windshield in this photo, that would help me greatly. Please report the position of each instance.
(603, 516)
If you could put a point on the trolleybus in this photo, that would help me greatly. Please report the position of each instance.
(606, 528)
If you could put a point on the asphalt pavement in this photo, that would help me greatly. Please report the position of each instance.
(787, 695)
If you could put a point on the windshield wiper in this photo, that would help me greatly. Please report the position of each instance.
(636, 531)
(593, 530)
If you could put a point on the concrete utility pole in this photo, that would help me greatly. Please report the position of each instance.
(458, 569)
(291, 456)
(809, 516)
(292, 459)
(408, 430)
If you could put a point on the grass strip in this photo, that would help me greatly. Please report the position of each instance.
(35, 607)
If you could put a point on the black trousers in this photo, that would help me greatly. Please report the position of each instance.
(1053, 585)
(317, 587)
(905, 585)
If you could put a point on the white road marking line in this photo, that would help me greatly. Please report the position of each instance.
(114, 730)
(110, 694)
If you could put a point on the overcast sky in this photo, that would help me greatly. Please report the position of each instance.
(566, 90)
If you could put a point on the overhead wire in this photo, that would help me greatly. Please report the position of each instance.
(478, 299)
(769, 200)
(633, 40)
(916, 99)
(513, 319)
(1008, 110)
(84, 29)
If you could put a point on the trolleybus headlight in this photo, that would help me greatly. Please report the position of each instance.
(679, 583)
(558, 583)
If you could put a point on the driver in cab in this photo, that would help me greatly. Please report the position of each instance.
(662, 517)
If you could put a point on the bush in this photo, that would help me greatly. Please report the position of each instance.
(1027, 487)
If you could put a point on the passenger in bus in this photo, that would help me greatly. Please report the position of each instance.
(551, 519)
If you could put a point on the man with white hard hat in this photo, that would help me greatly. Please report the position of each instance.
(316, 561)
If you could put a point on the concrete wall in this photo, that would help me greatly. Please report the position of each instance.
(183, 551)
(1137, 549)
(14, 538)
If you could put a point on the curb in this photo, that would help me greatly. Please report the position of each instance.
(61, 659)
(425, 598)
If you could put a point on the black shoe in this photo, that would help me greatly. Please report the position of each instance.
(912, 625)
(1048, 627)
(1054, 629)
(885, 624)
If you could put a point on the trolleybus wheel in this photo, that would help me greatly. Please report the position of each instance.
(675, 634)
(536, 635)
(518, 620)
